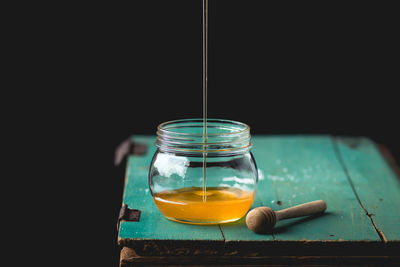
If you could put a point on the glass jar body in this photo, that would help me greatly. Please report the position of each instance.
(182, 194)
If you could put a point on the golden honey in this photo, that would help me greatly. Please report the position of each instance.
(195, 206)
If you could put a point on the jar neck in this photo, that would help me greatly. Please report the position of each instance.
(224, 137)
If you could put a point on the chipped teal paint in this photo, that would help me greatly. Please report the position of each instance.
(306, 168)
(294, 169)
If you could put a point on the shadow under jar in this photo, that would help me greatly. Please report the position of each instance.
(201, 179)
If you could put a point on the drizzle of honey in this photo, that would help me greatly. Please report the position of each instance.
(187, 205)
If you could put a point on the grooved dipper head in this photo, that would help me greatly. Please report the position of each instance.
(261, 220)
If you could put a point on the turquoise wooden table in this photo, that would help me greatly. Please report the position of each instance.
(361, 223)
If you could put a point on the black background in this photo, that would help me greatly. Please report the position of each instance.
(318, 68)
(93, 75)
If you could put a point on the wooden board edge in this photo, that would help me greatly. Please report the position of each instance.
(261, 248)
(130, 258)
(123, 197)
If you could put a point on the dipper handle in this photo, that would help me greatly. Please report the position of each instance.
(305, 209)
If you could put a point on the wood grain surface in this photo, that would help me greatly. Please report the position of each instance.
(361, 191)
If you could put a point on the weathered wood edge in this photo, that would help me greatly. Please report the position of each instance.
(130, 258)
(260, 248)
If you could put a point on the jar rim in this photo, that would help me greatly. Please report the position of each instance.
(161, 128)
(186, 136)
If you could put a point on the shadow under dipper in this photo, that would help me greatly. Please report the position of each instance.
(286, 226)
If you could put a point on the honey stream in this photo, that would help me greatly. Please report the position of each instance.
(202, 205)
(205, 87)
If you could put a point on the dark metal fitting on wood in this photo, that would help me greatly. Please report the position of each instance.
(127, 214)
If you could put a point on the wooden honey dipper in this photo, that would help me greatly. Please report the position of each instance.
(262, 219)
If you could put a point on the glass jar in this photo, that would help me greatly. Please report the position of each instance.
(201, 179)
